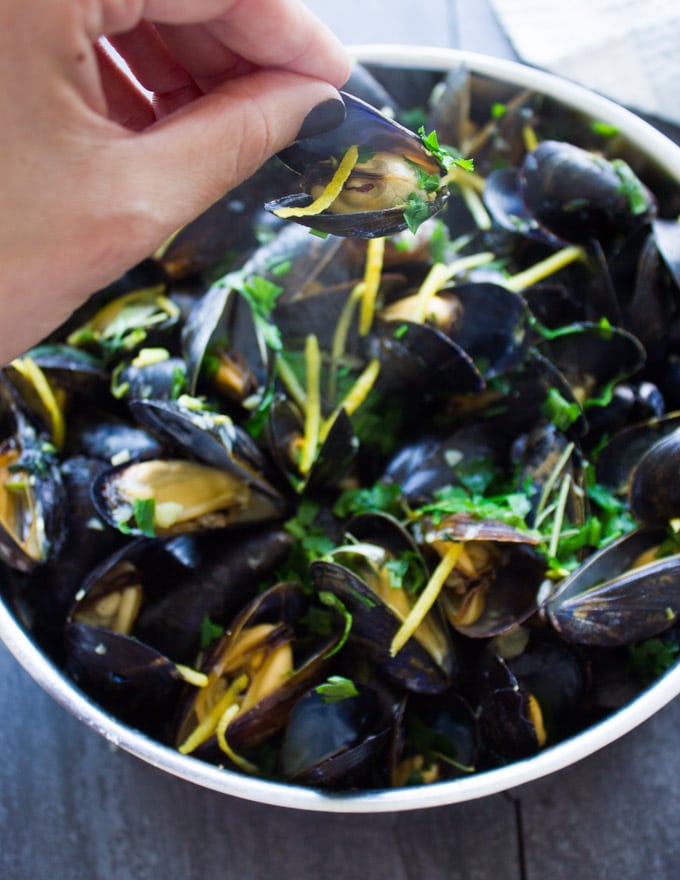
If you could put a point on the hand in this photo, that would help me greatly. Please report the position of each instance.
(95, 174)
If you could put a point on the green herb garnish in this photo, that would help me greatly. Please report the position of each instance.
(631, 186)
(144, 511)
(337, 688)
(561, 412)
(209, 633)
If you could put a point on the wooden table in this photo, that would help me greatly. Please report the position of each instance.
(73, 807)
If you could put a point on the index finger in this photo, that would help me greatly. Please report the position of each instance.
(268, 33)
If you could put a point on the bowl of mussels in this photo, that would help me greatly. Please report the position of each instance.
(360, 494)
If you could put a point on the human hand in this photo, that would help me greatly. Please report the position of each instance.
(95, 175)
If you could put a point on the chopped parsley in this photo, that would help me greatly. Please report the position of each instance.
(337, 688)
(631, 187)
(651, 658)
(385, 497)
(261, 295)
(561, 412)
(416, 212)
(446, 155)
(209, 633)
(606, 129)
(142, 513)
(511, 508)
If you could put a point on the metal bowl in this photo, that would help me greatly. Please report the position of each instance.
(654, 148)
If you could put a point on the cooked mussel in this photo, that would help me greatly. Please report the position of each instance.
(375, 575)
(624, 593)
(389, 171)
(265, 661)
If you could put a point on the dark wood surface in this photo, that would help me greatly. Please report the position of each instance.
(73, 807)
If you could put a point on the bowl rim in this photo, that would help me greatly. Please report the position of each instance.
(660, 149)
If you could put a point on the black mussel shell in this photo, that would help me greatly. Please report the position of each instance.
(283, 608)
(653, 492)
(530, 700)
(436, 739)
(214, 575)
(33, 521)
(578, 195)
(500, 591)
(329, 743)
(620, 595)
(365, 127)
(130, 679)
(374, 624)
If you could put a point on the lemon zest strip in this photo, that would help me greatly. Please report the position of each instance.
(28, 368)
(330, 193)
(426, 599)
(310, 440)
(375, 252)
(207, 727)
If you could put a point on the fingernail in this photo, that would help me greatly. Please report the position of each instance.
(325, 116)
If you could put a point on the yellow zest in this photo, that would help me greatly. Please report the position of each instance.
(375, 253)
(536, 718)
(221, 732)
(529, 137)
(207, 727)
(163, 248)
(361, 388)
(192, 676)
(342, 332)
(290, 380)
(32, 372)
(545, 268)
(313, 405)
(438, 276)
(330, 193)
(356, 395)
(464, 179)
(475, 206)
(426, 599)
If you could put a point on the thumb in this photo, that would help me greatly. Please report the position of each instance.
(186, 161)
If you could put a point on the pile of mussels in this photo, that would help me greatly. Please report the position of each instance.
(364, 507)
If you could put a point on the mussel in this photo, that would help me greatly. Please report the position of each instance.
(390, 173)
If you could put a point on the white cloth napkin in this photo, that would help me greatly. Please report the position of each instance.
(628, 50)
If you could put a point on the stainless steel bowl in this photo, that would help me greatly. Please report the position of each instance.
(652, 146)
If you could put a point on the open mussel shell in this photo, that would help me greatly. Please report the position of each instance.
(221, 485)
(494, 585)
(427, 662)
(375, 197)
(213, 439)
(620, 595)
(270, 627)
(32, 499)
(619, 457)
(334, 456)
(179, 496)
(220, 327)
